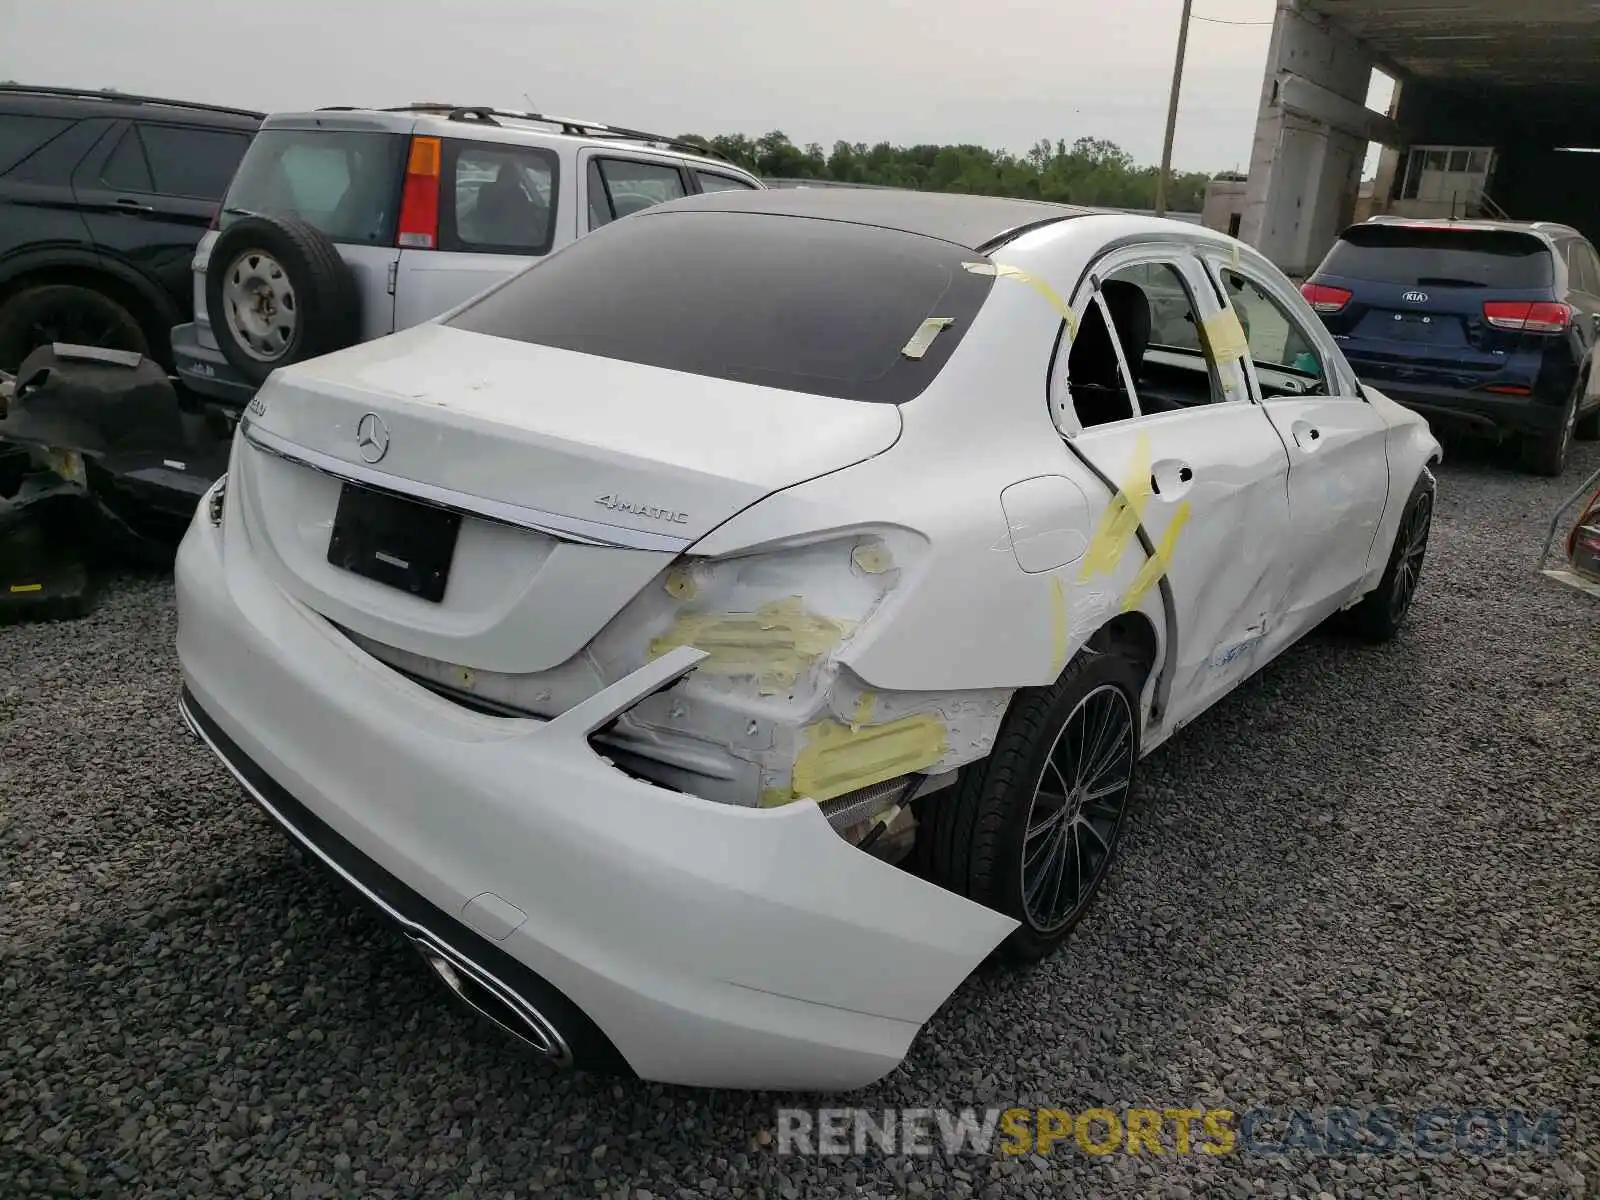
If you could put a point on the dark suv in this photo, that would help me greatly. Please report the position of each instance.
(1487, 325)
(103, 198)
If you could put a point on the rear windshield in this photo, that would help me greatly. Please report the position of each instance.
(1487, 258)
(821, 307)
(346, 184)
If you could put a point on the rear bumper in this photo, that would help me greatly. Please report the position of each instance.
(205, 371)
(1482, 411)
(688, 941)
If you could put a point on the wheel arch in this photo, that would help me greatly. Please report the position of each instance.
(146, 302)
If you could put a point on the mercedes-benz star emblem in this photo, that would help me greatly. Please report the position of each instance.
(372, 437)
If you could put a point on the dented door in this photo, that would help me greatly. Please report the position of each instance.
(1338, 469)
(1208, 484)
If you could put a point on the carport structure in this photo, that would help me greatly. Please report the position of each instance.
(1493, 99)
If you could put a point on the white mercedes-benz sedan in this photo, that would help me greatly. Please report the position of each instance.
(713, 642)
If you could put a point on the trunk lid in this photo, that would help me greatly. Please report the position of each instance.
(574, 479)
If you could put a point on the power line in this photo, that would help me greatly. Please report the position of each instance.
(1220, 21)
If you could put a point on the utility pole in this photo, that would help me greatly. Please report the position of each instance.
(1172, 111)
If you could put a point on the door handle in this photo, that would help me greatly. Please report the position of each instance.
(1166, 470)
(1306, 436)
(124, 203)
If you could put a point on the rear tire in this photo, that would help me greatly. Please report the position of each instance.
(1383, 610)
(1547, 453)
(65, 312)
(278, 293)
(1036, 818)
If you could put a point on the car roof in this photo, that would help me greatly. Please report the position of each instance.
(482, 123)
(1546, 228)
(977, 223)
(79, 102)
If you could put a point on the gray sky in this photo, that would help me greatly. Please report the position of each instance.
(996, 72)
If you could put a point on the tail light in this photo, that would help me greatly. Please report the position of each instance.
(1323, 298)
(1524, 316)
(419, 199)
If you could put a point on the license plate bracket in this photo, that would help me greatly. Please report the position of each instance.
(392, 540)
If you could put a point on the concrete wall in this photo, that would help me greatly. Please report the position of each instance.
(1312, 134)
(1225, 200)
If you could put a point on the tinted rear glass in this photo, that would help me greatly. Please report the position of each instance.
(21, 135)
(346, 184)
(822, 307)
(1498, 259)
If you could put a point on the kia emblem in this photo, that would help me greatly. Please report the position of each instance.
(1415, 297)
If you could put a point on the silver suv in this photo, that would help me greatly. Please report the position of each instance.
(343, 225)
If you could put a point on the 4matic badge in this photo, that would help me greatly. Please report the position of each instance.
(618, 504)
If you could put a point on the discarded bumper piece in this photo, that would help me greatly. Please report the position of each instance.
(1582, 568)
(101, 463)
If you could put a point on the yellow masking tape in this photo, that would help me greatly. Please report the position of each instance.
(837, 760)
(863, 711)
(1002, 271)
(27, 587)
(1058, 625)
(1156, 565)
(1120, 522)
(774, 644)
(1226, 337)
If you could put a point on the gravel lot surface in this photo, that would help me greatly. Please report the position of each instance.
(1369, 877)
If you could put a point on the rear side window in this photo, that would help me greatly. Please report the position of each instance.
(502, 200)
(346, 183)
(21, 135)
(619, 187)
(194, 163)
(821, 307)
(1504, 260)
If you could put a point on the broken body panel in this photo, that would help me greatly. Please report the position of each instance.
(866, 586)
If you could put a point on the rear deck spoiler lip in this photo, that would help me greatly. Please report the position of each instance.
(557, 525)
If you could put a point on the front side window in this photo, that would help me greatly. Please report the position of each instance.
(710, 181)
(620, 187)
(1285, 355)
(501, 199)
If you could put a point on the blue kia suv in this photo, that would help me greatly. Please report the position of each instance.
(1481, 325)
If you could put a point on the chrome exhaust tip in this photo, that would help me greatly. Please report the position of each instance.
(487, 996)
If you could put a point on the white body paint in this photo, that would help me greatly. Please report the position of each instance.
(870, 585)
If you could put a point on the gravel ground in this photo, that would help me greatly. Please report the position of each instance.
(1369, 877)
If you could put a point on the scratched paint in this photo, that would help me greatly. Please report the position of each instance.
(1157, 564)
(1120, 522)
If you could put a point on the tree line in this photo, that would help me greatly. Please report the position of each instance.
(1090, 171)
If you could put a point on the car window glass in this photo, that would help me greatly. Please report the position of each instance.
(345, 183)
(193, 163)
(631, 185)
(712, 182)
(125, 169)
(1586, 268)
(21, 136)
(1284, 353)
(1154, 335)
(502, 199)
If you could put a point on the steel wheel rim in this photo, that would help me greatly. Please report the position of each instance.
(1414, 547)
(1077, 807)
(260, 306)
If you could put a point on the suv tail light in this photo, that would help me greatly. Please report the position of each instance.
(1528, 317)
(1323, 298)
(419, 200)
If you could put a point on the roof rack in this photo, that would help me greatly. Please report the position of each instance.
(112, 96)
(483, 114)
